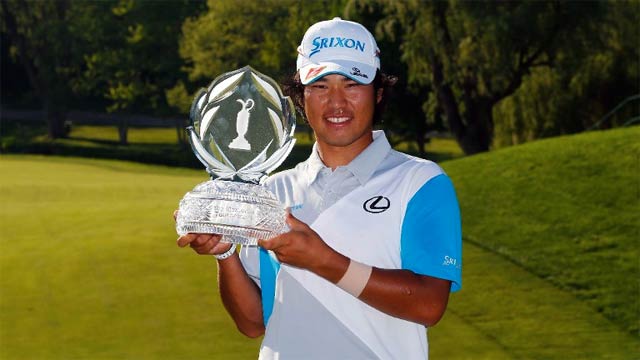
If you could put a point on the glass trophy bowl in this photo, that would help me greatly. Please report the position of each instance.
(241, 129)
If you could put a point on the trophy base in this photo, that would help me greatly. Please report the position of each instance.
(241, 212)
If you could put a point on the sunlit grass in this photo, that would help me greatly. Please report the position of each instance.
(135, 135)
(565, 209)
(89, 268)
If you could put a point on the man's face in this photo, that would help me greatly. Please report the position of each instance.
(340, 111)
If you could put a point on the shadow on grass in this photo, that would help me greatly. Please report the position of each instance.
(31, 139)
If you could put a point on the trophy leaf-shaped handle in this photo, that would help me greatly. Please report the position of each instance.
(242, 144)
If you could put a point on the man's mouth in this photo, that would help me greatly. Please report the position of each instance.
(337, 119)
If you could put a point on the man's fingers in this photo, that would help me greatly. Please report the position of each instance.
(206, 246)
(264, 243)
(201, 240)
(185, 240)
(175, 215)
(270, 244)
(294, 223)
(219, 248)
(196, 240)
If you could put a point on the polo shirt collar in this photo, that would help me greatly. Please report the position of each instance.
(314, 164)
(362, 166)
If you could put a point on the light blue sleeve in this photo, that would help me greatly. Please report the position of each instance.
(269, 268)
(431, 242)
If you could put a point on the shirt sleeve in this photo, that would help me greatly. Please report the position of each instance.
(431, 240)
(250, 258)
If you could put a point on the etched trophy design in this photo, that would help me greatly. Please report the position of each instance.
(242, 125)
(238, 147)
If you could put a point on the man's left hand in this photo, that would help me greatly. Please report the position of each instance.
(302, 247)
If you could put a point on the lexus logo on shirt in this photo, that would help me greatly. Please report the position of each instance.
(376, 204)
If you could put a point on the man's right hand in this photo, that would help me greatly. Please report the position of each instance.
(240, 295)
(203, 244)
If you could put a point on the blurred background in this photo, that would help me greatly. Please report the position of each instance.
(530, 106)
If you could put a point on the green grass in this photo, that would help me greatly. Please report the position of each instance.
(566, 209)
(159, 145)
(437, 149)
(551, 249)
(135, 135)
(89, 268)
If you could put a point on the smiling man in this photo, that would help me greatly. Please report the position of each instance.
(375, 243)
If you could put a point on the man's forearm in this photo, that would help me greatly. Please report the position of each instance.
(240, 296)
(406, 295)
(400, 293)
(397, 292)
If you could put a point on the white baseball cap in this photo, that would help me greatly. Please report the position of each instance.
(338, 47)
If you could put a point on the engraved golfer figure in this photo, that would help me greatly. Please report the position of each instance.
(242, 124)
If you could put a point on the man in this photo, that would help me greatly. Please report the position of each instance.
(375, 244)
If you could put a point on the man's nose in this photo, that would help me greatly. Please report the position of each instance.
(337, 97)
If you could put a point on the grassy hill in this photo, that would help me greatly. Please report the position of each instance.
(565, 209)
(89, 268)
(551, 250)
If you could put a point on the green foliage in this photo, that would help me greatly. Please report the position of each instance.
(499, 74)
(530, 113)
(472, 55)
(134, 54)
(405, 115)
(123, 53)
(587, 80)
(263, 34)
(178, 97)
(34, 31)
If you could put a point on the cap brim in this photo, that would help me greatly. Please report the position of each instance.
(364, 74)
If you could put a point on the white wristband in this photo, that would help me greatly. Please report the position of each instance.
(355, 278)
(227, 253)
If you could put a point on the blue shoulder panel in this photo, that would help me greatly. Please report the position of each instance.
(269, 268)
(431, 242)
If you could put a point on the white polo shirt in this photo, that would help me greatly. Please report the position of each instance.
(385, 209)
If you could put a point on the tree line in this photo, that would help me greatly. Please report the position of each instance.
(490, 73)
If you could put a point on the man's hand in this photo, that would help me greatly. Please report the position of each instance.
(240, 295)
(302, 247)
(203, 244)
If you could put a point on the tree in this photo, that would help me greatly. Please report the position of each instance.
(125, 52)
(405, 116)
(44, 45)
(586, 82)
(233, 34)
(475, 54)
(134, 55)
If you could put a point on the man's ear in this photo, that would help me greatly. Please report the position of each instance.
(379, 95)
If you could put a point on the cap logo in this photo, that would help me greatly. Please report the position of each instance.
(356, 72)
(320, 43)
(313, 72)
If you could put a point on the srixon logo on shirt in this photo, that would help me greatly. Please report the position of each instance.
(320, 43)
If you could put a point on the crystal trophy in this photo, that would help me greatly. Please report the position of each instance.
(241, 129)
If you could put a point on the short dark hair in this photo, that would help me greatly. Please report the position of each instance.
(294, 88)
